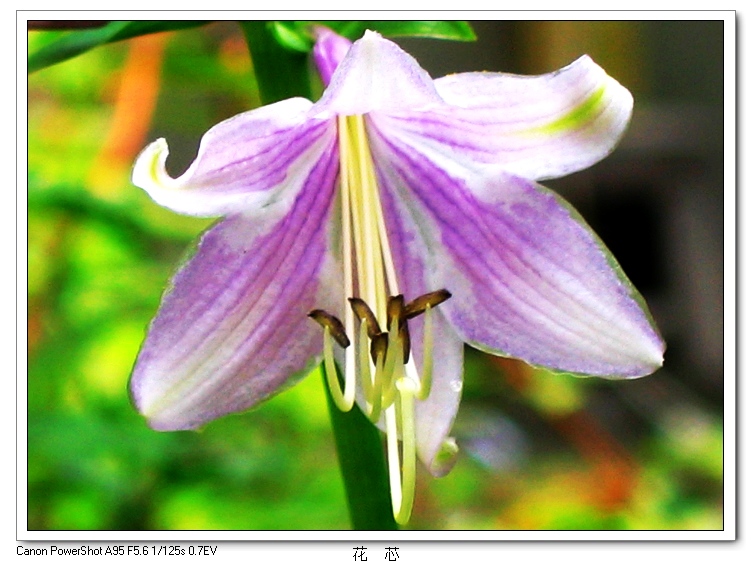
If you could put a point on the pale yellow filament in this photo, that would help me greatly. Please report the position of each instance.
(343, 400)
(389, 386)
(427, 378)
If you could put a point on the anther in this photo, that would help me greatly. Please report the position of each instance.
(379, 347)
(364, 313)
(404, 336)
(395, 312)
(336, 329)
(395, 309)
(421, 303)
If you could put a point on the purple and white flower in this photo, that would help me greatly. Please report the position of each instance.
(391, 184)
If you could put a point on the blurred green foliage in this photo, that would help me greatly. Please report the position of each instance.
(535, 453)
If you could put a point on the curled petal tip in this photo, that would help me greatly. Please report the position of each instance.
(149, 169)
(445, 458)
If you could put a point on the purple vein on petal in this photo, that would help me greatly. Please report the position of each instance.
(231, 276)
(476, 263)
(268, 252)
(470, 217)
(439, 204)
(282, 249)
(445, 127)
(490, 141)
(266, 167)
(298, 244)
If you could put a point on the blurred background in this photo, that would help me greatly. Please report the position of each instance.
(538, 451)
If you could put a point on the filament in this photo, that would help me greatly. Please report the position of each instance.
(427, 377)
(381, 362)
(343, 399)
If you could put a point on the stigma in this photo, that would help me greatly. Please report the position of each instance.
(374, 332)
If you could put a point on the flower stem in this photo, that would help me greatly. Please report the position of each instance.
(282, 74)
(363, 467)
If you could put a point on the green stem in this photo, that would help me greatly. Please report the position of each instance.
(282, 74)
(363, 466)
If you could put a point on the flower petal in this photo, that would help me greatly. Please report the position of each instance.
(536, 127)
(233, 328)
(242, 163)
(376, 75)
(529, 278)
(328, 51)
(434, 417)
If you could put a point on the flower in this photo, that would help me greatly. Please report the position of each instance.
(367, 210)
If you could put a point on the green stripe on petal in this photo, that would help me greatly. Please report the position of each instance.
(537, 127)
(585, 112)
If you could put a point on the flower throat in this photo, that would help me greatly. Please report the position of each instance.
(376, 319)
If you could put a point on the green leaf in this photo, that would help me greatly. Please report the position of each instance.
(75, 43)
(298, 36)
(281, 73)
(292, 36)
(450, 30)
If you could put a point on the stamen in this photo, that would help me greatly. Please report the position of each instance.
(364, 313)
(364, 363)
(379, 352)
(349, 219)
(343, 400)
(335, 327)
(394, 366)
(395, 309)
(395, 313)
(427, 378)
(421, 303)
(382, 350)
(372, 275)
(350, 375)
(370, 176)
(404, 337)
(379, 346)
